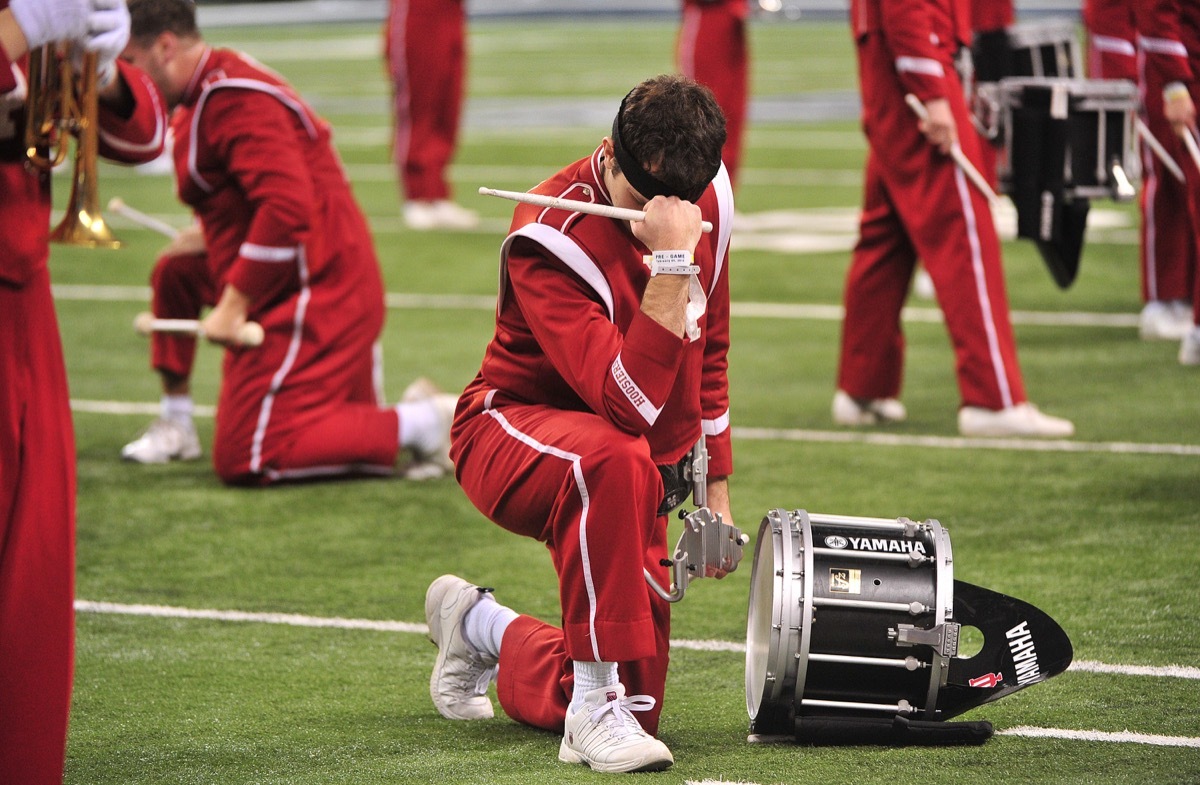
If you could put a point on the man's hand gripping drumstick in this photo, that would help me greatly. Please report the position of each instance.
(608, 211)
(937, 123)
(249, 335)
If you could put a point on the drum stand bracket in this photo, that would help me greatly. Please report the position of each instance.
(707, 544)
(942, 638)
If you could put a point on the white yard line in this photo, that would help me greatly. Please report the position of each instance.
(1124, 737)
(301, 620)
(798, 435)
(798, 311)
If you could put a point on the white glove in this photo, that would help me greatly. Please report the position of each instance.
(44, 21)
(108, 34)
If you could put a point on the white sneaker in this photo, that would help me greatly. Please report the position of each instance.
(1189, 348)
(1021, 420)
(1165, 320)
(461, 673)
(866, 411)
(164, 440)
(440, 214)
(432, 460)
(605, 735)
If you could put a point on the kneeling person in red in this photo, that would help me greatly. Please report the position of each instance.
(607, 366)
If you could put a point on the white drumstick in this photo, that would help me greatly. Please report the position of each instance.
(1159, 151)
(250, 335)
(117, 205)
(608, 211)
(956, 153)
(1189, 141)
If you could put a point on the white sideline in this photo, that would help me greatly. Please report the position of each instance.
(301, 620)
(1096, 735)
(799, 435)
(818, 312)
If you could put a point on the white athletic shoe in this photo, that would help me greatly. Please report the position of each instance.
(1020, 420)
(433, 460)
(1189, 348)
(1165, 320)
(163, 441)
(604, 734)
(424, 216)
(867, 411)
(461, 673)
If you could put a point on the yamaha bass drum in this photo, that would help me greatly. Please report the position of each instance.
(858, 620)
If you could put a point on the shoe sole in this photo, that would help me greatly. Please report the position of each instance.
(568, 755)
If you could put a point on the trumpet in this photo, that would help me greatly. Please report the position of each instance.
(64, 103)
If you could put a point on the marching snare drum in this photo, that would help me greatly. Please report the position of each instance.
(854, 625)
(1077, 134)
(847, 616)
(1044, 49)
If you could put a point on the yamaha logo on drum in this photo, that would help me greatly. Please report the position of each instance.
(883, 545)
(836, 541)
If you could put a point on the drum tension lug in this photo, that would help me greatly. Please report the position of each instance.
(942, 638)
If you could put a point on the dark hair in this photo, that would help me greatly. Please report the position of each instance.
(674, 130)
(148, 18)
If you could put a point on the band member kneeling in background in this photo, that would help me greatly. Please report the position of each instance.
(285, 245)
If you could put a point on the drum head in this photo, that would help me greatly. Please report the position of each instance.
(762, 616)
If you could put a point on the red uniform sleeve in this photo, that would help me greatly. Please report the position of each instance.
(1158, 27)
(988, 15)
(255, 137)
(920, 62)
(136, 136)
(714, 387)
(626, 379)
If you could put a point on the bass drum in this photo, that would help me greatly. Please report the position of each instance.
(848, 617)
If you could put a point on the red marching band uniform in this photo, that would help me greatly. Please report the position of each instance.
(37, 445)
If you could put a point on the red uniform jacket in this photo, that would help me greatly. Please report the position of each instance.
(1169, 35)
(570, 332)
(1110, 25)
(988, 15)
(257, 166)
(923, 37)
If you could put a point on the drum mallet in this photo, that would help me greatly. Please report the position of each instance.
(249, 334)
(117, 205)
(1159, 151)
(956, 153)
(608, 211)
(1189, 141)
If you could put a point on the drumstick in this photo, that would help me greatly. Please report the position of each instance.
(1158, 150)
(620, 213)
(956, 153)
(249, 334)
(1189, 142)
(117, 205)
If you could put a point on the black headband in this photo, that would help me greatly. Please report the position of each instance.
(643, 181)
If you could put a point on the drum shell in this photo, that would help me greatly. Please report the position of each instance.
(842, 588)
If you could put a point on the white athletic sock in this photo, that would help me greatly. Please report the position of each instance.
(177, 407)
(590, 676)
(420, 425)
(484, 625)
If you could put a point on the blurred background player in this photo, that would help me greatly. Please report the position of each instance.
(1168, 41)
(37, 442)
(284, 244)
(712, 48)
(426, 52)
(918, 204)
(571, 448)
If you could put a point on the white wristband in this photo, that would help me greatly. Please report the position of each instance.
(671, 263)
(1174, 90)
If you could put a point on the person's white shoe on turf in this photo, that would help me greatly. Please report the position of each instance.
(1021, 420)
(605, 735)
(163, 441)
(430, 445)
(438, 214)
(1164, 320)
(461, 673)
(1189, 347)
(867, 411)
